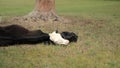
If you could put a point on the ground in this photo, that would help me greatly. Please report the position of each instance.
(97, 23)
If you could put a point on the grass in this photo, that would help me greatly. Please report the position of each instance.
(97, 23)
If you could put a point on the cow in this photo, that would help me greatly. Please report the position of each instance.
(16, 34)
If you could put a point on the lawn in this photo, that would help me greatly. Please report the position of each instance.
(96, 22)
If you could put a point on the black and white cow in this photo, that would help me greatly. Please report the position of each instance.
(63, 38)
(15, 34)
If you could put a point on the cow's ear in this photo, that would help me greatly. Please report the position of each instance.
(56, 31)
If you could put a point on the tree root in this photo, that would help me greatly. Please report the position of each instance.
(35, 16)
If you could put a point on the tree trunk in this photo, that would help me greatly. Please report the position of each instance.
(45, 5)
(44, 10)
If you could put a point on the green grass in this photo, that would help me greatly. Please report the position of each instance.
(14, 7)
(97, 23)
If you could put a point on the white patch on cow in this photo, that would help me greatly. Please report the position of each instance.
(57, 38)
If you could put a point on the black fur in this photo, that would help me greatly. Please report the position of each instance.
(72, 37)
(15, 34)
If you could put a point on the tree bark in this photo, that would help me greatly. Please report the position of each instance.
(45, 5)
(44, 10)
